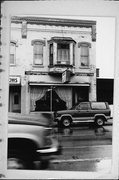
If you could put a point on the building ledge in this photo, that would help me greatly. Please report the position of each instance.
(60, 68)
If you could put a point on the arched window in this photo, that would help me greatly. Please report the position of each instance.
(12, 53)
(84, 53)
(38, 52)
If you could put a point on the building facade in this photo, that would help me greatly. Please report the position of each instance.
(52, 63)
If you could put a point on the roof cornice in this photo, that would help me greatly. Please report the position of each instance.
(53, 21)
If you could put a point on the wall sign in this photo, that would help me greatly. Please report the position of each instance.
(14, 80)
(66, 76)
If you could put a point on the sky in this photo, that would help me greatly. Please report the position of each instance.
(105, 43)
(105, 46)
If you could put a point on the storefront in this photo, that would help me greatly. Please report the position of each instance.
(14, 94)
(52, 94)
(56, 96)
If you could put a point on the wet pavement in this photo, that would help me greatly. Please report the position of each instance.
(84, 148)
(86, 153)
(89, 165)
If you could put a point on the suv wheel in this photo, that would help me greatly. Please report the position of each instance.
(66, 122)
(99, 121)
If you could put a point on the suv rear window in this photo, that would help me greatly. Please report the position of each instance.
(100, 105)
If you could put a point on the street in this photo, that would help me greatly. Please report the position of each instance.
(84, 148)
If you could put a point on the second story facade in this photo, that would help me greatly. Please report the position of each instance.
(43, 44)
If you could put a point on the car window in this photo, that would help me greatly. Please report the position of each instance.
(100, 105)
(83, 106)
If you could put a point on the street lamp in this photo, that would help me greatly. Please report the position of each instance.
(51, 97)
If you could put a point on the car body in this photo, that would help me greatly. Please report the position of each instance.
(30, 141)
(97, 112)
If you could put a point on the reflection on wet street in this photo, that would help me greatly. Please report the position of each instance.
(84, 148)
(88, 133)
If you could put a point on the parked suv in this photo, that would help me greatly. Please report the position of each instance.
(31, 143)
(97, 112)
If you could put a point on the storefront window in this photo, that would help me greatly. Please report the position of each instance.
(47, 99)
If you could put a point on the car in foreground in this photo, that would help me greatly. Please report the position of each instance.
(30, 144)
(97, 112)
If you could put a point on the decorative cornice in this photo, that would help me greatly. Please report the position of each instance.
(38, 41)
(85, 43)
(53, 21)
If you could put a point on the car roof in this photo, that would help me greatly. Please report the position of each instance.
(25, 122)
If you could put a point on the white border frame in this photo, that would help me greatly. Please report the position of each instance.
(94, 8)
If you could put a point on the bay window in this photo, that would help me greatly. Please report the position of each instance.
(61, 51)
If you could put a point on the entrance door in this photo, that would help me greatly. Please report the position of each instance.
(15, 99)
(16, 106)
(80, 94)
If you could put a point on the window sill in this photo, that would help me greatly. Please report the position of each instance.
(60, 65)
(37, 66)
(85, 67)
(12, 65)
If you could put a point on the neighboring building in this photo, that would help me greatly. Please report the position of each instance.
(105, 90)
(52, 63)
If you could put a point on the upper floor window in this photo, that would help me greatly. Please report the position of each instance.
(51, 54)
(38, 52)
(84, 53)
(61, 51)
(12, 53)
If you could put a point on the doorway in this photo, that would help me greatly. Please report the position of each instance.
(15, 99)
(80, 94)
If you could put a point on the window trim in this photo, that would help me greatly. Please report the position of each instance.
(87, 43)
(61, 61)
(62, 40)
(15, 45)
(80, 44)
(39, 42)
